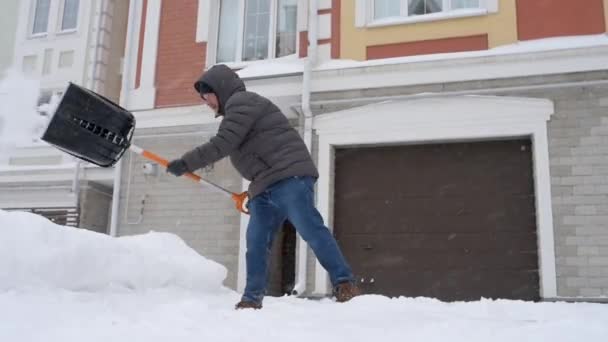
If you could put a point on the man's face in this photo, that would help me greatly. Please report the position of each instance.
(211, 100)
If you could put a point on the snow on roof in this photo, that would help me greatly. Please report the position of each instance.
(292, 64)
(269, 67)
(538, 45)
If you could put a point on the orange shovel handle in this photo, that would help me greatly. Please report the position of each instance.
(240, 200)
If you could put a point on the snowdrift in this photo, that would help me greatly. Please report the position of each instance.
(36, 253)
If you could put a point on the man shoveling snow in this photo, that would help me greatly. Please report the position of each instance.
(266, 150)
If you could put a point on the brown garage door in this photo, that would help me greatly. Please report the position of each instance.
(454, 221)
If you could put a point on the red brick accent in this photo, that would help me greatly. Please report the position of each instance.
(335, 29)
(140, 48)
(181, 60)
(334, 40)
(456, 44)
(303, 44)
(551, 18)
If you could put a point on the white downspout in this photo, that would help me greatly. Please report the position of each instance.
(311, 61)
(125, 89)
(92, 84)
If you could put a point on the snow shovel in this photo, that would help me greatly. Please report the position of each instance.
(93, 128)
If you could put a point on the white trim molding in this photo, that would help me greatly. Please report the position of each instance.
(144, 97)
(175, 116)
(460, 67)
(440, 119)
(241, 279)
(202, 20)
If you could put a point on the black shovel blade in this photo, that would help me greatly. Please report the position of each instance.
(90, 127)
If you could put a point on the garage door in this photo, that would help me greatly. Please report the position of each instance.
(453, 221)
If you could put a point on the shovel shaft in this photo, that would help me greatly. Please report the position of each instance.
(239, 199)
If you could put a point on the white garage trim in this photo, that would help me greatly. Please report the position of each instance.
(437, 119)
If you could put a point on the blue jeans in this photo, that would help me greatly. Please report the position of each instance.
(289, 199)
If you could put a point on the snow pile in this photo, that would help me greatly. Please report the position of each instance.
(272, 67)
(20, 122)
(36, 253)
(41, 264)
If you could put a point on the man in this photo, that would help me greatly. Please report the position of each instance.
(267, 151)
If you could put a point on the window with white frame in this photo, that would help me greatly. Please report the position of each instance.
(251, 30)
(69, 18)
(407, 8)
(41, 16)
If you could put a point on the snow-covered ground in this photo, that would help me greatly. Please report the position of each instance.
(65, 284)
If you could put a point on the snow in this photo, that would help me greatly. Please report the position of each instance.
(288, 65)
(537, 45)
(66, 284)
(60, 257)
(272, 67)
(22, 120)
(19, 120)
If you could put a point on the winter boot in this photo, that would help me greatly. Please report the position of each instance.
(346, 291)
(247, 305)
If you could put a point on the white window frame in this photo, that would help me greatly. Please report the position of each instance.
(62, 13)
(365, 13)
(213, 32)
(33, 8)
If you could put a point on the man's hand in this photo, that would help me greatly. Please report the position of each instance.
(177, 167)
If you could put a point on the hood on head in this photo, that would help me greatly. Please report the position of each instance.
(222, 81)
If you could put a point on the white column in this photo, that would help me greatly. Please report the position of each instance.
(546, 240)
(323, 204)
(143, 97)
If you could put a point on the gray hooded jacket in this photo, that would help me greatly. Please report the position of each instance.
(254, 133)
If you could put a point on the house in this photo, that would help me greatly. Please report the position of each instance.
(460, 143)
(57, 42)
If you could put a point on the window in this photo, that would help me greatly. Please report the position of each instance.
(66, 59)
(420, 7)
(29, 64)
(47, 61)
(409, 8)
(228, 31)
(41, 17)
(286, 36)
(69, 19)
(256, 34)
(458, 4)
(387, 8)
(256, 29)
